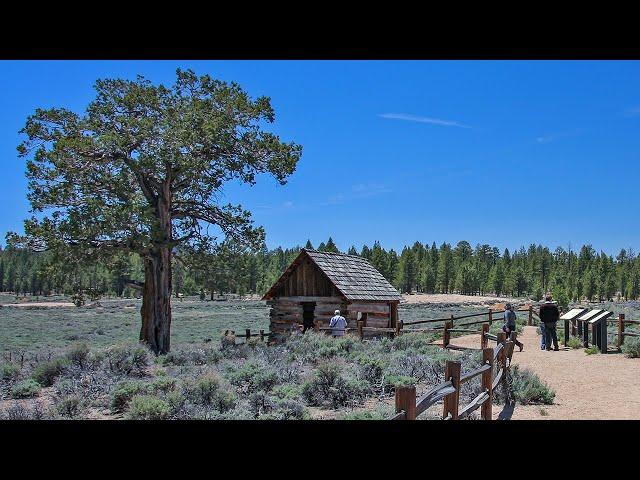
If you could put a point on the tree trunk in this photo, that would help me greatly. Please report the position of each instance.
(156, 302)
(156, 293)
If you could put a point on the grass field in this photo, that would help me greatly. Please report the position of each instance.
(117, 320)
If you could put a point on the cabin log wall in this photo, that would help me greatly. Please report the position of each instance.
(285, 311)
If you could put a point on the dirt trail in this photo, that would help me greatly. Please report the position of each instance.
(590, 387)
(38, 305)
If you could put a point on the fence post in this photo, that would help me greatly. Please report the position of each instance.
(316, 325)
(502, 357)
(566, 332)
(490, 316)
(248, 334)
(446, 336)
(483, 336)
(360, 329)
(262, 335)
(530, 322)
(620, 330)
(406, 400)
(398, 328)
(487, 357)
(452, 401)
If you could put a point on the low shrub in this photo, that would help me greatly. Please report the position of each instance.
(254, 376)
(69, 406)
(574, 342)
(176, 400)
(420, 342)
(163, 383)
(276, 409)
(391, 382)
(47, 372)
(631, 347)
(25, 389)
(287, 391)
(289, 410)
(371, 368)
(348, 343)
(209, 389)
(363, 415)
(78, 355)
(9, 371)
(420, 367)
(593, 349)
(528, 389)
(327, 387)
(148, 407)
(128, 359)
(18, 411)
(124, 392)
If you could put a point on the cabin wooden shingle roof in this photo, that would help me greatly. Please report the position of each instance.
(353, 276)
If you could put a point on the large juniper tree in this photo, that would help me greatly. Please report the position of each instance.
(142, 171)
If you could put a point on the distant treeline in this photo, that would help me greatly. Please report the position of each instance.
(570, 275)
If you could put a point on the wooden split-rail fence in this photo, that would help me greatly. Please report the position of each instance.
(493, 372)
(247, 334)
(449, 326)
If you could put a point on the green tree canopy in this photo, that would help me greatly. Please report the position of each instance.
(141, 170)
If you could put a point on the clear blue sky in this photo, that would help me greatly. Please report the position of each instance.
(501, 152)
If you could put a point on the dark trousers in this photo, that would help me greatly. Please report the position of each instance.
(508, 331)
(550, 335)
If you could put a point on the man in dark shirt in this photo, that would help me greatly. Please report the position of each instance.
(549, 315)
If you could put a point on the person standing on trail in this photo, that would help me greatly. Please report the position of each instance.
(510, 323)
(337, 324)
(549, 316)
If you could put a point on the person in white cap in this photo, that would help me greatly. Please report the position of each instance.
(337, 324)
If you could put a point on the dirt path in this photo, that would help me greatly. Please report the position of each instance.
(38, 305)
(590, 387)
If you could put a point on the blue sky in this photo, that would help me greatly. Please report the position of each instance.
(501, 152)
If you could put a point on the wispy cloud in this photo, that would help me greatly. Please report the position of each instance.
(357, 191)
(416, 118)
(555, 136)
(632, 112)
(545, 139)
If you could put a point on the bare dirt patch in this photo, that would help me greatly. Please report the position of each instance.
(587, 387)
(38, 305)
(466, 300)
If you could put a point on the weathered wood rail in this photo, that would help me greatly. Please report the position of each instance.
(445, 330)
(493, 372)
(621, 333)
(247, 335)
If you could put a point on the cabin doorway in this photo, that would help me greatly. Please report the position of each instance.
(308, 315)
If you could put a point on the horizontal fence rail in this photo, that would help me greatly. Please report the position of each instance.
(228, 334)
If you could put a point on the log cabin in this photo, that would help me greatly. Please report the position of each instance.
(318, 283)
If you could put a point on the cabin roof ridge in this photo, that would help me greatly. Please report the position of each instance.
(353, 276)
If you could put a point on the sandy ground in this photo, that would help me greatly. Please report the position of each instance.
(39, 305)
(588, 387)
(457, 299)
